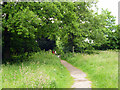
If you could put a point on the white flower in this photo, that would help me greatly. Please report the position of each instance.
(1, 2)
(83, 22)
(113, 30)
(87, 21)
(39, 18)
(80, 20)
(106, 35)
(91, 41)
(58, 55)
(41, 8)
(52, 21)
(61, 21)
(78, 7)
(4, 15)
(50, 18)
(86, 40)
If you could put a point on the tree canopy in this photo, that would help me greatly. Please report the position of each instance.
(32, 26)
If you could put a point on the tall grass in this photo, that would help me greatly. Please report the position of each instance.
(102, 68)
(42, 70)
(0, 78)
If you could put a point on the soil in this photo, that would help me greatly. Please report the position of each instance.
(79, 77)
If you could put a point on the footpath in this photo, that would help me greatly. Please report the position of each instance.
(79, 77)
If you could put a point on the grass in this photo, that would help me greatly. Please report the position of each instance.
(101, 69)
(41, 70)
(0, 78)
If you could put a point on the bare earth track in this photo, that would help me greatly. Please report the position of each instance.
(79, 77)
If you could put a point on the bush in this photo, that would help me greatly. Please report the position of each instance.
(45, 58)
(64, 56)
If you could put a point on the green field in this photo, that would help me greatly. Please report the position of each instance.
(44, 70)
(41, 70)
(101, 68)
(0, 78)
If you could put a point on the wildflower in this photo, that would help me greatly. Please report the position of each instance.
(39, 18)
(86, 40)
(1, 2)
(50, 18)
(113, 30)
(52, 21)
(43, 17)
(83, 22)
(92, 41)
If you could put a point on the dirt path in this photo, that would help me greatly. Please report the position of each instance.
(78, 75)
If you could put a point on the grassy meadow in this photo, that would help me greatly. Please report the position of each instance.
(41, 70)
(101, 68)
(0, 78)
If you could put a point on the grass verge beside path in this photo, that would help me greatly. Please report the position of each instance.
(0, 78)
(101, 69)
(42, 70)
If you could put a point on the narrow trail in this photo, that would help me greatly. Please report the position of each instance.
(79, 77)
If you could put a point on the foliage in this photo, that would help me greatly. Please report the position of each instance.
(19, 26)
(30, 26)
(64, 56)
(111, 40)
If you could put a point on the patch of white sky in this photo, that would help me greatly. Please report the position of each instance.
(111, 5)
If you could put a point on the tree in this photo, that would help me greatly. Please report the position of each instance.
(107, 30)
(67, 24)
(19, 25)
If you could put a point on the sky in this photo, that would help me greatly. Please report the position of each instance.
(112, 6)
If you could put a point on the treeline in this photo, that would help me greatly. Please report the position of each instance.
(33, 26)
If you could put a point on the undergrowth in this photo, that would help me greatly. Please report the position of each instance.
(40, 70)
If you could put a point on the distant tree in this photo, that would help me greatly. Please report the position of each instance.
(108, 31)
